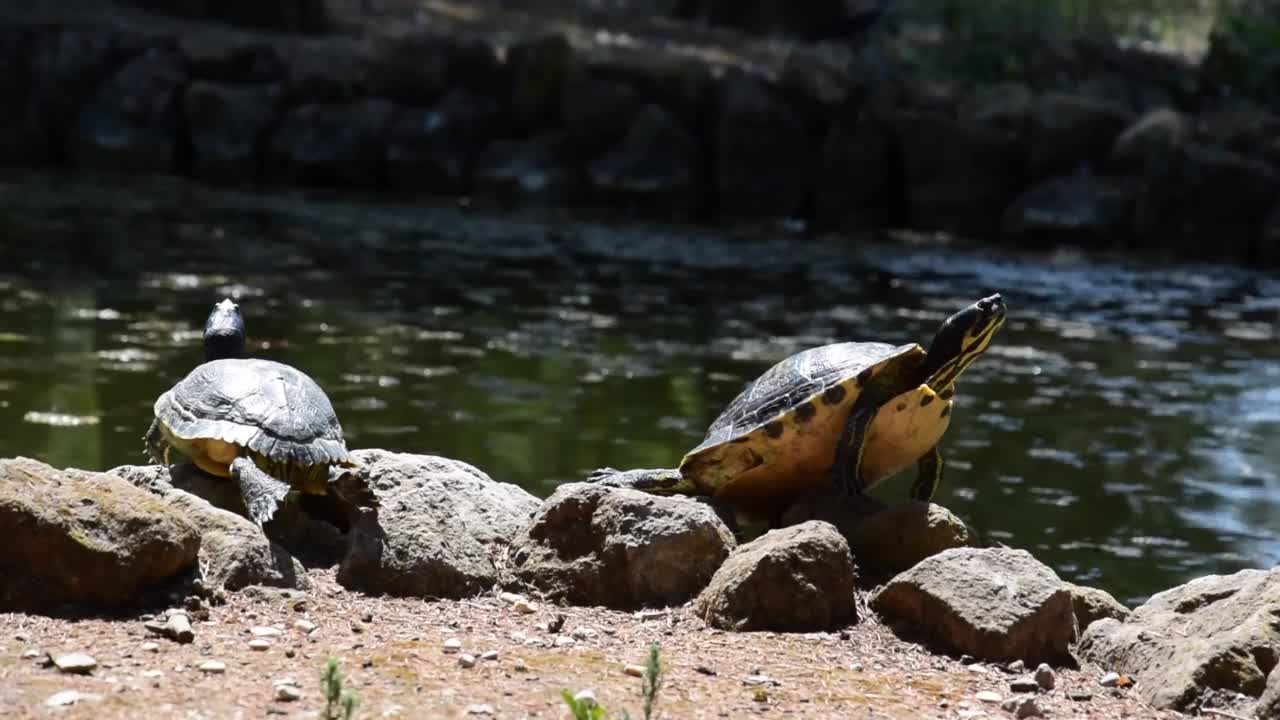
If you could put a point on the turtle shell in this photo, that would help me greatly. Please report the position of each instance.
(778, 436)
(273, 409)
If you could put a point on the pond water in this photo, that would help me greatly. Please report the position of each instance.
(1123, 426)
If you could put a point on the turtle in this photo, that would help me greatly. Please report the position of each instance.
(266, 425)
(852, 414)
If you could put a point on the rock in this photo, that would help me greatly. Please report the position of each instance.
(1045, 677)
(796, 579)
(1159, 131)
(653, 168)
(420, 66)
(1092, 604)
(259, 644)
(467, 661)
(78, 663)
(860, 178)
(20, 142)
(306, 626)
(539, 65)
(133, 122)
(988, 696)
(1024, 707)
(1066, 131)
(434, 149)
(1080, 695)
(329, 73)
(234, 553)
(674, 80)
(1111, 679)
(633, 670)
(959, 175)
(331, 144)
(533, 170)
(1077, 209)
(230, 59)
(593, 545)
(288, 693)
(1024, 685)
(73, 536)
(177, 627)
(1241, 127)
(452, 645)
(1005, 106)
(814, 19)
(1216, 631)
(1268, 707)
(1200, 192)
(885, 540)
(763, 159)
(66, 67)
(212, 667)
(71, 697)
(228, 125)
(996, 604)
(439, 528)
(596, 112)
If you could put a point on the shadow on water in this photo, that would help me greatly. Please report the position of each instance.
(1122, 427)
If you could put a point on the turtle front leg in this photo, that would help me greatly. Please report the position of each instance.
(928, 475)
(262, 493)
(663, 481)
(846, 472)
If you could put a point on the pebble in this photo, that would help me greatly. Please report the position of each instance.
(645, 615)
(75, 663)
(30, 654)
(265, 631)
(366, 616)
(634, 670)
(511, 598)
(1024, 685)
(305, 626)
(178, 627)
(489, 655)
(1016, 666)
(259, 644)
(988, 696)
(1023, 707)
(213, 667)
(288, 693)
(480, 709)
(69, 697)
(564, 641)
(520, 666)
(582, 633)
(704, 669)
(1045, 677)
(524, 607)
(452, 645)
(152, 674)
(759, 679)
(151, 647)
(1111, 679)
(1080, 695)
(466, 660)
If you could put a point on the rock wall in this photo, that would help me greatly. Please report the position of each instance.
(1122, 157)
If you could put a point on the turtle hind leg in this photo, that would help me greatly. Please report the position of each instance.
(156, 447)
(928, 475)
(661, 481)
(352, 486)
(262, 493)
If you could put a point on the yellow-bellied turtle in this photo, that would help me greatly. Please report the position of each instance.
(266, 425)
(853, 413)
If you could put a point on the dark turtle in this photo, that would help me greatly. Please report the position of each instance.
(266, 425)
(852, 414)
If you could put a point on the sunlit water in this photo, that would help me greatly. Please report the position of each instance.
(1124, 426)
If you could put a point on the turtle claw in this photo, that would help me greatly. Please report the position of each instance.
(262, 493)
(352, 487)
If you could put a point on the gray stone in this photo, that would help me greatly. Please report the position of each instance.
(533, 171)
(1216, 632)
(334, 144)
(1268, 707)
(234, 553)
(996, 604)
(596, 111)
(1158, 131)
(440, 526)
(651, 169)
(763, 159)
(1080, 208)
(73, 536)
(594, 545)
(859, 179)
(1005, 106)
(1092, 604)
(435, 149)
(133, 121)
(797, 579)
(228, 126)
(1065, 131)
(66, 68)
(885, 540)
(539, 65)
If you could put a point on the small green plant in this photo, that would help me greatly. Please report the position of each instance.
(339, 703)
(586, 707)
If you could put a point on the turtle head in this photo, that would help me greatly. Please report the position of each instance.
(224, 332)
(961, 339)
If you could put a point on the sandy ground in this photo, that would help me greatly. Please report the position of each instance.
(394, 654)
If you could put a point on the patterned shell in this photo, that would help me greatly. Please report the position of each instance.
(794, 380)
(272, 408)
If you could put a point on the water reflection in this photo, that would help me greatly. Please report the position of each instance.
(1122, 427)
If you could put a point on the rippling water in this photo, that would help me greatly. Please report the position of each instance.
(1123, 426)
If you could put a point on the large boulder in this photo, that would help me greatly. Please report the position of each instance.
(435, 149)
(19, 141)
(539, 65)
(1067, 131)
(440, 525)
(1080, 208)
(621, 548)
(216, 56)
(884, 540)
(228, 125)
(331, 144)
(653, 168)
(134, 121)
(960, 175)
(1215, 633)
(597, 112)
(66, 69)
(995, 604)
(234, 553)
(80, 537)
(794, 579)
(860, 180)
(535, 170)
(1092, 604)
(1198, 193)
(1158, 132)
(763, 158)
